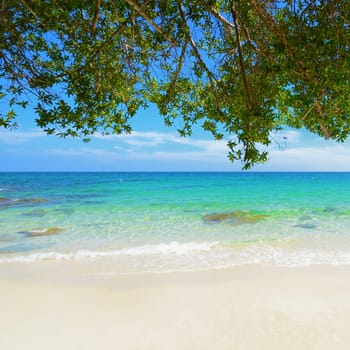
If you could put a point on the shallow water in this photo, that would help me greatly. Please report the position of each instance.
(159, 221)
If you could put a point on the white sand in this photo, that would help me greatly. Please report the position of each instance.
(68, 306)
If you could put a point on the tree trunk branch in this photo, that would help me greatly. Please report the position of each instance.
(322, 126)
(144, 15)
(178, 70)
(240, 54)
(29, 8)
(316, 105)
(96, 15)
(210, 74)
(270, 23)
(230, 27)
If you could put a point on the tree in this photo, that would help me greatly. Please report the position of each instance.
(242, 68)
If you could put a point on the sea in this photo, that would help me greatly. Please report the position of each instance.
(175, 221)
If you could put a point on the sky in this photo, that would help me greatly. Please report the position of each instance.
(154, 147)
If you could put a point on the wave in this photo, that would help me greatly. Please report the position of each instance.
(165, 249)
(193, 255)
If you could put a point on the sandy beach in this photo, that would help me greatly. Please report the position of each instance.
(87, 306)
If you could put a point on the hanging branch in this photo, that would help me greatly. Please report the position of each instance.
(96, 15)
(210, 74)
(240, 54)
(29, 8)
(316, 105)
(144, 15)
(230, 27)
(309, 111)
(273, 26)
(98, 49)
(178, 70)
(270, 23)
(322, 126)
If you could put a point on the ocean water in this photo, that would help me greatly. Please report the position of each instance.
(175, 221)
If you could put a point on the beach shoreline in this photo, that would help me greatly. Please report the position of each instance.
(76, 305)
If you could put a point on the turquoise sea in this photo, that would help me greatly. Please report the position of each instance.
(175, 221)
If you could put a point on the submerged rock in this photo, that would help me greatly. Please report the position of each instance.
(307, 226)
(35, 213)
(67, 211)
(237, 217)
(329, 210)
(305, 218)
(42, 232)
(8, 202)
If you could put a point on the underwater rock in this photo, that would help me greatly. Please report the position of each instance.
(35, 213)
(191, 211)
(8, 202)
(29, 200)
(67, 211)
(329, 210)
(307, 226)
(234, 217)
(42, 232)
(92, 202)
(305, 218)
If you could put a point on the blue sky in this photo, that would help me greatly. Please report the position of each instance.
(155, 147)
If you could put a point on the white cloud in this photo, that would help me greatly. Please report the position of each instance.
(299, 150)
(150, 146)
(152, 142)
(333, 157)
(81, 152)
(14, 137)
(144, 140)
(163, 147)
(131, 136)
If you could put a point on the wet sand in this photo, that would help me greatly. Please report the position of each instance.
(87, 306)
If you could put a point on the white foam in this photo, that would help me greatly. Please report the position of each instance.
(174, 248)
(194, 255)
(162, 249)
(44, 230)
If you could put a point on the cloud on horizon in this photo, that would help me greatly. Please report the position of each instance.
(292, 150)
(15, 137)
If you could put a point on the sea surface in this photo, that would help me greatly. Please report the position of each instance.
(176, 221)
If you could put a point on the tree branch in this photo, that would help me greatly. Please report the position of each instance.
(270, 23)
(319, 110)
(99, 48)
(240, 54)
(29, 8)
(322, 126)
(273, 26)
(200, 59)
(144, 15)
(230, 27)
(309, 111)
(96, 15)
(178, 70)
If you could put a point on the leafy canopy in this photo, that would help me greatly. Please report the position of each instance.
(242, 68)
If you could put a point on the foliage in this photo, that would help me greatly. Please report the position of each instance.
(242, 68)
